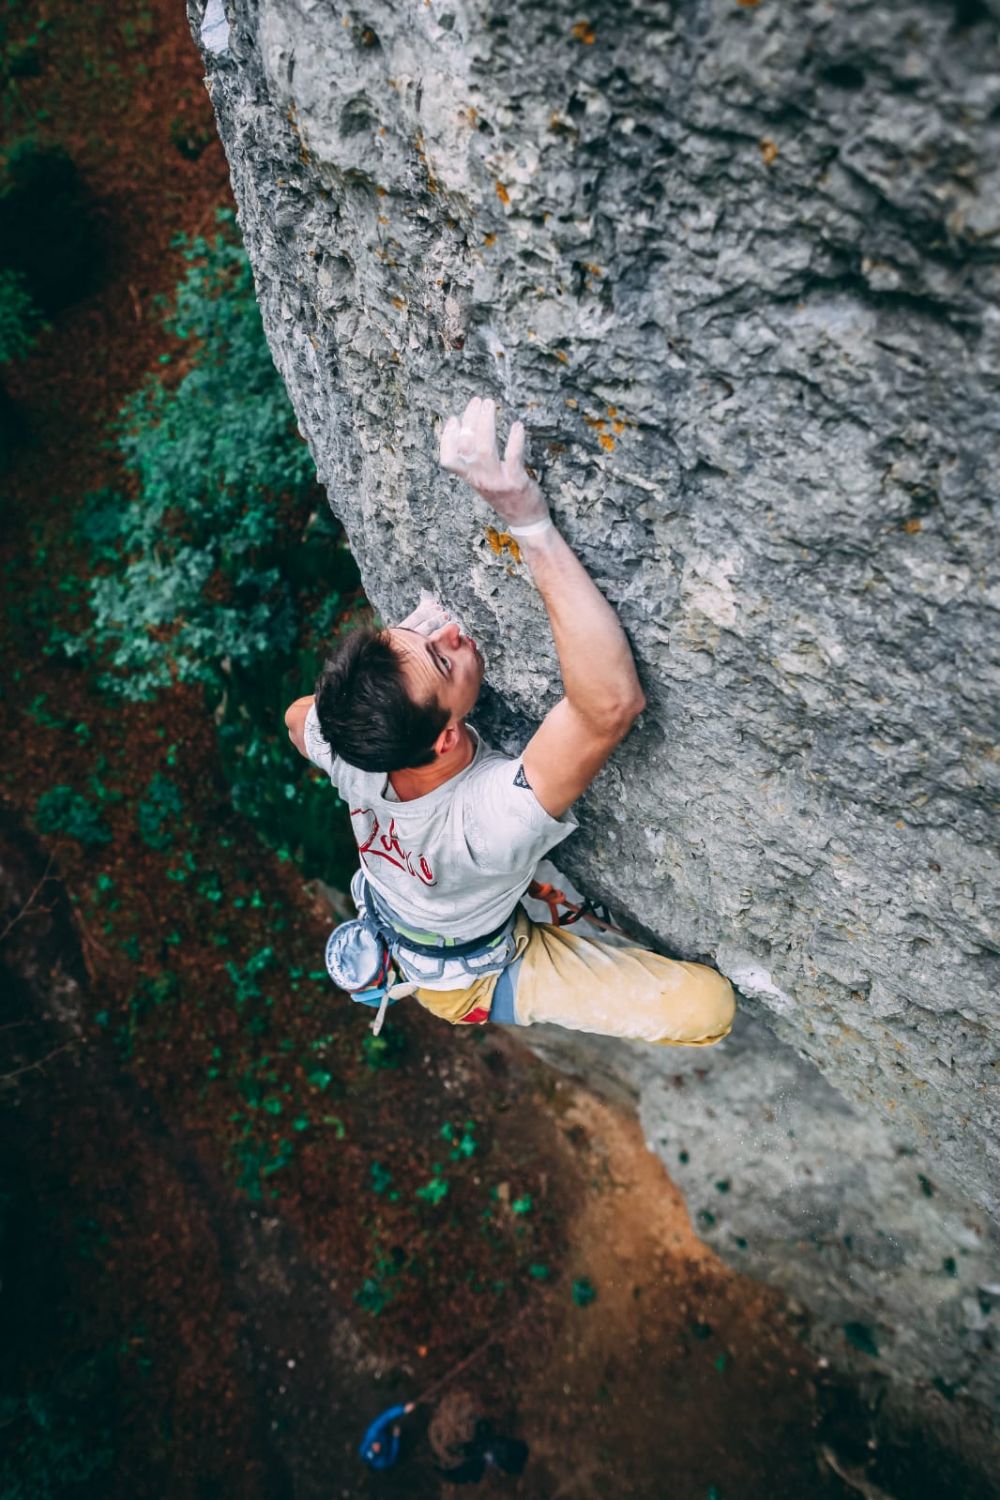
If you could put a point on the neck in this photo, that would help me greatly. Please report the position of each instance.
(419, 780)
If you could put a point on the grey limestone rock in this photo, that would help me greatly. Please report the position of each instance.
(736, 265)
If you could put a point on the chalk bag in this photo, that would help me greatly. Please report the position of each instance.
(359, 963)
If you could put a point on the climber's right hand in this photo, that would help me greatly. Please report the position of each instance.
(469, 449)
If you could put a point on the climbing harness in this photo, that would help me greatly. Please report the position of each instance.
(365, 956)
(395, 934)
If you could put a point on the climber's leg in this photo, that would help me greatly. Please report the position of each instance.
(584, 984)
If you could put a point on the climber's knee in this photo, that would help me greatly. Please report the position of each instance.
(709, 1013)
(722, 1007)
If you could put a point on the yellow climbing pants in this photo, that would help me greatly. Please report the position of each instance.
(584, 984)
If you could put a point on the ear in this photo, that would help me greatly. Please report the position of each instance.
(448, 739)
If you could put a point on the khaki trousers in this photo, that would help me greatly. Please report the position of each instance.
(568, 979)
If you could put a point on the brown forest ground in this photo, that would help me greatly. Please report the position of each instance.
(242, 1361)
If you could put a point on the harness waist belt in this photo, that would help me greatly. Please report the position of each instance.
(429, 950)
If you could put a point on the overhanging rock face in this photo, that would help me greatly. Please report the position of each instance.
(736, 265)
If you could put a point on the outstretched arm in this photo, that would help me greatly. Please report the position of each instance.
(603, 696)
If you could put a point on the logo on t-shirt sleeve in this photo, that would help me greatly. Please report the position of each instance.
(521, 780)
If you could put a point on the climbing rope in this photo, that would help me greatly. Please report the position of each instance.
(380, 1444)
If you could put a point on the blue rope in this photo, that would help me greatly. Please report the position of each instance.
(380, 1444)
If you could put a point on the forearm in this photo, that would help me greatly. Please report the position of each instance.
(598, 670)
(596, 661)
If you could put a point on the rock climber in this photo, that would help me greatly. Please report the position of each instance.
(450, 832)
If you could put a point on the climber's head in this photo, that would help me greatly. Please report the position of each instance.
(393, 700)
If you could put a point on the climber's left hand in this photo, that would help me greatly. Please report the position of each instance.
(429, 615)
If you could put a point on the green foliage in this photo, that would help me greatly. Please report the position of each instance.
(161, 804)
(224, 567)
(199, 590)
(19, 317)
(292, 805)
(463, 1144)
(380, 1287)
(98, 526)
(436, 1189)
(381, 1181)
(64, 811)
(244, 980)
(255, 1160)
(36, 708)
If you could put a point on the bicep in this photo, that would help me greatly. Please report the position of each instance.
(565, 754)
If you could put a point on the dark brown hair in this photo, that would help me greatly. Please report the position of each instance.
(365, 712)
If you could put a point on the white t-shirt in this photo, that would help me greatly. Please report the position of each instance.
(456, 861)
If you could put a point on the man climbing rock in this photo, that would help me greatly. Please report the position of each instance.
(450, 832)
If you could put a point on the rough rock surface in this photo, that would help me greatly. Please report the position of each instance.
(736, 265)
(901, 1275)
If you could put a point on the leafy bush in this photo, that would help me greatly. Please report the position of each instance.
(62, 810)
(201, 590)
(161, 805)
(224, 567)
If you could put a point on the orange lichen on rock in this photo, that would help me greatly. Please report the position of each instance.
(584, 32)
(606, 441)
(912, 525)
(501, 541)
(503, 194)
(562, 356)
(489, 239)
(768, 150)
